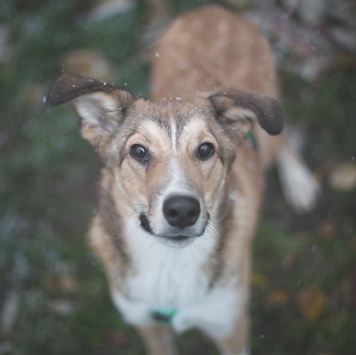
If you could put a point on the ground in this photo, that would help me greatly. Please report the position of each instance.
(53, 293)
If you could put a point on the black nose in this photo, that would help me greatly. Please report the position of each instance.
(181, 211)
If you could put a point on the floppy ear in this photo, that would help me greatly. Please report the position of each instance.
(243, 108)
(100, 106)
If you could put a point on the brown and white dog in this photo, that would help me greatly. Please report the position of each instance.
(182, 183)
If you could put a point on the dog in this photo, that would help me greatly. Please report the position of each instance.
(183, 177)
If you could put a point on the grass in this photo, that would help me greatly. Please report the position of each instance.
(304, 271)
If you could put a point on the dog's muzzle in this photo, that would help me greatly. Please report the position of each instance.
(180, 214)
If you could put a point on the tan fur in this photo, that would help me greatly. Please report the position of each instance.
(234, 55)
(159, 339)
(213, 79)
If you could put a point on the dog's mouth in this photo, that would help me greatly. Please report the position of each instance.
(174, 240)
(145, 224)
(177, 241)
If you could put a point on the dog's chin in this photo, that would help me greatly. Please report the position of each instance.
(176, 242)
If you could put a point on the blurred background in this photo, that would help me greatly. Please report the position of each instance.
(53, 293)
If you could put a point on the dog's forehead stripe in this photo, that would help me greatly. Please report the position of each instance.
(174, 137)
(172, 123)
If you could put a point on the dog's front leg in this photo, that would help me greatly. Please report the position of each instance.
(236, 343)
(158, 339)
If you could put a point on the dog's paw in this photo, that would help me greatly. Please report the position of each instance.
(181, 322)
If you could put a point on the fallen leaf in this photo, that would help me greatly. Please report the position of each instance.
(68, 284)
(259, 280)
(289, 260)
(117, 339)
(343, 177)
(277, 297)
(311, 303)
(327, 228)
(36, 94)
(344, 61)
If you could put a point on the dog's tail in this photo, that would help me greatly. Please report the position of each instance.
(299, 186)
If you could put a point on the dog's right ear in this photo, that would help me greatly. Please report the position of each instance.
(100, 106)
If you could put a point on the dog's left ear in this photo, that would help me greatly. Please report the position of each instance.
(101, 106)
(242, 108)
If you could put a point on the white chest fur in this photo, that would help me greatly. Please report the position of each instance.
(174, 278)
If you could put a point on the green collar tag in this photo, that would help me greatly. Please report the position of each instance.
(251, 138)
(164, 315)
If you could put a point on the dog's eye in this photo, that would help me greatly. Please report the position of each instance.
(139, 152)
(205, 151)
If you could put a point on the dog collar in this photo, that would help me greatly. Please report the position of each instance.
(164, 315)
(251, 139)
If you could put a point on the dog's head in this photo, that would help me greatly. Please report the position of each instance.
(169, 158)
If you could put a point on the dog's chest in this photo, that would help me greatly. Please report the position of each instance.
(174, 279)
(166, 277)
